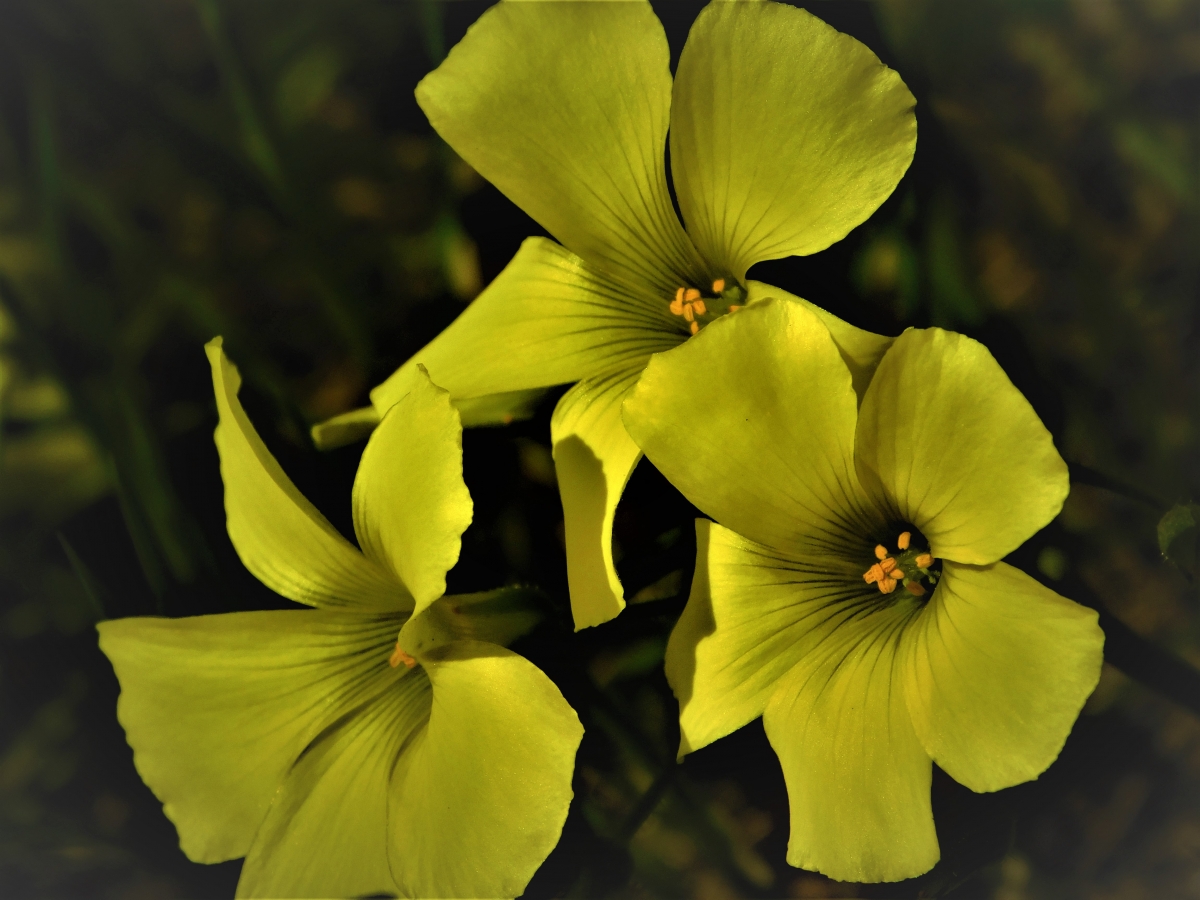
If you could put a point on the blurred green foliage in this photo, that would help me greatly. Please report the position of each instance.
(175, 169)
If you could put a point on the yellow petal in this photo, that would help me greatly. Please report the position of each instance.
(565, 108)
(947, 442)
(547, 319)
(593, 458)
(997, 668)
(281, 537)
(858, 779)
(785, 134)
(410, 503)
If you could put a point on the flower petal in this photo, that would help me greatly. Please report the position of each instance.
(593, 458)
(753, 613)
(282, 538)
(861, 350)
(218, 708)
(858, 780)
(547, 319)
(328, 831)
(997, 669)
(785, 133)
(479, 800)
(565, 108)
(410, 503)
(753, 420)
(947, 441)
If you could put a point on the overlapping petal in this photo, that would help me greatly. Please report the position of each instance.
(997, 668)
(479, 800)
(947, 441)
(218, 708)
(547, 319)
(785, 133)
(593, 459)
(410, 503)
(753, 420)
(752, 615)
(858, 778)
(328, 831)
(282, 538)
(860, 350)
(565, 108)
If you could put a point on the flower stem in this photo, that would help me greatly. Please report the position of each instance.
(1081, 474)
(1140, 659)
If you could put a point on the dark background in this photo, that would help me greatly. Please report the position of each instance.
(171, 170)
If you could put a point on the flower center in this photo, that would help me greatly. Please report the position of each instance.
(695, 305)
(912, 566)
(399, 656)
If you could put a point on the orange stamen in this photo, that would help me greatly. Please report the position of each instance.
(677, 307)
(887, 585)
(887, 564)
(699, 307)
(904, 539)
(679, 295)
(733, 307)
(695, 327)
(880, 551)
(691, 295)
(914, 588)
(873, 574)
(718, 285)
(924, 561)
(688, 312)
(399, 656)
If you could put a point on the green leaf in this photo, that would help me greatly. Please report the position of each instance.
(1177, 537)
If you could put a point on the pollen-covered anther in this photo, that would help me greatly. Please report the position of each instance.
(880, 551)
(688, 303)
(915, 588)
(903, 541)
(399, 656)
(924, 561)
(718, 285)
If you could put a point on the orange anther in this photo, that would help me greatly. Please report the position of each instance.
(733, 308)
(904, 539)
(718, 285)
(677, 307)
(699, 307)
(691, 295)
(873, 574)
(887, 585)
(695, 327)
(887, 564)
(689, 312)
(880, 551)
(399, 656)
(679, 295)
(924, 561)
(914, 588)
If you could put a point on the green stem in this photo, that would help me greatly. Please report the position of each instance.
(1140, 659)
(647, 803)
(1081, 474)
